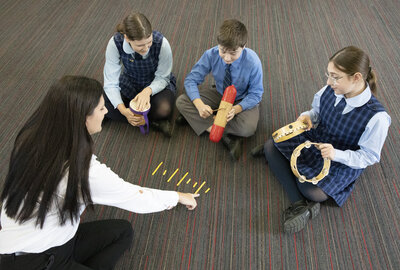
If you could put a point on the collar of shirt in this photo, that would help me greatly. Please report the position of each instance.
(356, 101)
(128, 49)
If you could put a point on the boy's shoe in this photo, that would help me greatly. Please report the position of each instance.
(234, 145)
(258, 151)
(180, 120)
(295, 218)
(164, 126)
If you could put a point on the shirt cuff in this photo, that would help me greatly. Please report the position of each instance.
(340, 156)
(243, 105)
(173, 199)
(193, 94)
(114, 96)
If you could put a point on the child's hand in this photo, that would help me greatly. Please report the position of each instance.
(188, 199)
(234, 111)
(134, 120)
(306, 120)
(143, 99)
(205, 111)
(230, 115)
(327, 150)
(137, 120)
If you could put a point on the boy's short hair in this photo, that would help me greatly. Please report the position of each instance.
(232, 34)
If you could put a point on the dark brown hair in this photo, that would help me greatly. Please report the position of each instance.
(232, 34)
(351, 60)
(53, 143)
(135, 26)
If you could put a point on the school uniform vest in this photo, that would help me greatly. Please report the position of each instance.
(343, 131)
(138, 73)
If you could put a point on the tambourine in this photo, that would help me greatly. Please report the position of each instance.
(289, 131)
(145, 122)
(293, 164)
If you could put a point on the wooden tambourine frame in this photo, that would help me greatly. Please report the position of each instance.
(289, 131)
(293, 164)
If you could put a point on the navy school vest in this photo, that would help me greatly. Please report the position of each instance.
(343, 131)
(138, 73)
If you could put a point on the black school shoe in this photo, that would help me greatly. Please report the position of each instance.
(258, 151)
(295, 218)
(233, 144)
(164, 126)
(180, 120)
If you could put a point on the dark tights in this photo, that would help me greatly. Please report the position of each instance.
(280, 166)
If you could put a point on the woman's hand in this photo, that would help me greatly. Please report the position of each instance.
(327, 150)
(306, 120)
(143, 99)
(188, 199)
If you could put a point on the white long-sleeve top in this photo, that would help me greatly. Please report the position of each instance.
(106, 188)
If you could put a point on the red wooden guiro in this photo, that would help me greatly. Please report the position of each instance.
(217, 129)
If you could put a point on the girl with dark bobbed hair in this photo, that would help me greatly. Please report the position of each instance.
(349, 124)
(53, 176)
(138, 66)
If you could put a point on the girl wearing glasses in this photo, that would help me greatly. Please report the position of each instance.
(351, 125)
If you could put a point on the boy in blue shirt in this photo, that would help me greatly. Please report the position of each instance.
(230, 63)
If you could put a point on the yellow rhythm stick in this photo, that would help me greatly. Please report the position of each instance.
(197, 191)
(208, 189)
(173, 175)
(182, 179)
(195, 184)
(157, 168)
(187, 182)
(164, 172)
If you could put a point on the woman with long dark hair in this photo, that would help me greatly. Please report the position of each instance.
(53, 176)
(138, 66)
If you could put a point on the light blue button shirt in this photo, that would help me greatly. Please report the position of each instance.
(371, 141)
(246, 73)
(113, 67)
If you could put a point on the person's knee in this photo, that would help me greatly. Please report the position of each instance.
(243, 129)
(250, 130)
(126, 232)
(314, 198)
(164, 109)
(181, 101)
(312, 193)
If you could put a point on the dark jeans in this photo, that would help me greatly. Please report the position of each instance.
(280, 166)
(165, 95)
(96, 245)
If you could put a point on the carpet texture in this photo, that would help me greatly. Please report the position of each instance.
(237, 224)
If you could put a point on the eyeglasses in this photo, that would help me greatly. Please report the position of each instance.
(333, 79)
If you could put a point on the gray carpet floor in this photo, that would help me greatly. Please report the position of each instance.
(237, 224)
